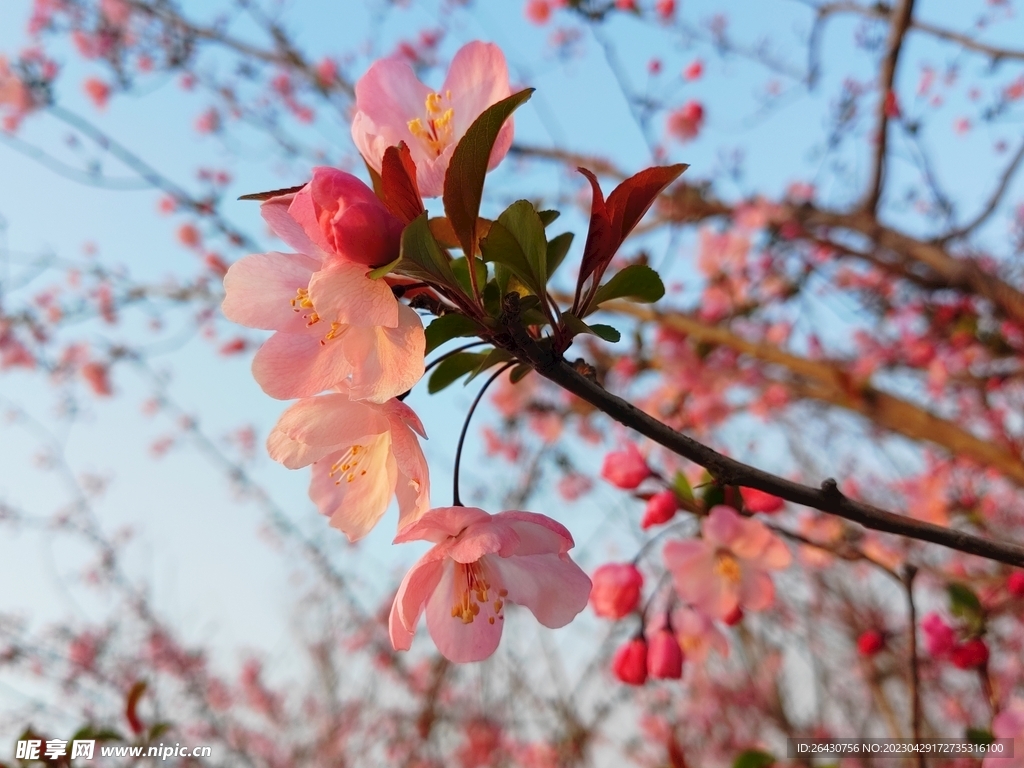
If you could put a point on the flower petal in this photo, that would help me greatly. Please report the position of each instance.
(389, 95)
(723, 526)
(413, 487)
(355, 500)
(538, 534)
(441, 523)
(275, 212)
(756, 591)
(484, 538)
(259, 289)
(386, 362)
(477, 78)
(342, 293)
(417, 587)
(317, 426)
(553, 587)
(456, 640)
(291, 365)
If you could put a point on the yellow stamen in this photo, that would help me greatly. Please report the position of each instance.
(727, 567)
(436, 131)
(346, 464)
(471, 591)
(301, 302)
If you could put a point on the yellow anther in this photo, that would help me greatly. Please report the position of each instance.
(727, 567)
(436, 131)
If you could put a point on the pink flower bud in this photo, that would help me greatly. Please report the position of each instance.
(665, 657)
(616, 590)
(630, 662)
(1015, 584)
(759, 501)
(870, 642)
(971, 654)
(939, 637)
(625, 469)
(661, 508)
(734, 617)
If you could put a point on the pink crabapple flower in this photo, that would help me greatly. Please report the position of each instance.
(393, 106)
(336, 327)
(625, 469)
(362, 455)
(1009, 724)
(630, 662)
(616, 590)
(939, 637)
(478, 563)
(685, 123)
(727, 568)
(698, 635)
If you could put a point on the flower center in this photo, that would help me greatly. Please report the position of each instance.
(301, 302)
(435, 129)
(471, 591)
(728, 567)
(336, 332)
(347, 466)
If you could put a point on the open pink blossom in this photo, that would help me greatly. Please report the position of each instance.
(698, 635)
(1009, 724)
(336, 327)
(392, 106)
(480, 562)
(727, 568)
(362, 455)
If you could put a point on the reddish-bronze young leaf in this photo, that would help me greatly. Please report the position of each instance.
(400, 192)
(464, 179)
(629, 201)
(598, 236)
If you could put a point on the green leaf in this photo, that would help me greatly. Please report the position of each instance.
(448, 327)
(548, 216)
(519, 373)
(461, 269)
(157, 730)
(522, 221)
(422, 258)
(502, 247)
(494, 357)
(464, 179)
(453, 368)
(558, 247)
(682, 487)
(979, 736)
(753, 758)
(577, 326)
(637, 281)
(387, 269)
(963, 602)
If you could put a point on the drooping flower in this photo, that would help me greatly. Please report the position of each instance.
(393, 106)
(616, 590)
(630, 662)
(362, 455)
(625, 469)
(480, 562)
(661, 508)
(336, 327)
(728, 567)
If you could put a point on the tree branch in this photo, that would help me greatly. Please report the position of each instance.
(727, 471)
(993, 201)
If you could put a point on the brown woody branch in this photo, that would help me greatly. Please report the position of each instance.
(993, 202)
(897, 32)
(726, 471)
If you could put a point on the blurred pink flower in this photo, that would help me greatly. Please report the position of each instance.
(98, 91)
(362, 455)
(479, 561)
(685, 123)
(625, 469)
(392, 106)
(664, 656)
(661, 508)
(630, 662)
(1009, 724)
(728, 567)
(616, 590)
(939, 637)
(698, 635)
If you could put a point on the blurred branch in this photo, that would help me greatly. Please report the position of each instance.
(993, 201)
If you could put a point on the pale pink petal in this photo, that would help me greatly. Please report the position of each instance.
(692, 564)
(401, 638)
(554, 588)
(756, 591)
(413, 487)
(291, 365)
(259, 290)
(477, 78)
(776, 555)
(538, 534)
(389, 95)
(456, 640)
(275, 213)
(369, 142)
(417, 587)
(753, 540)
(722, 526)
(484, 538)
(441, 523)
(399, 412)
(316, 426)
(342, 293)
(386, 361)
(430, 171)
(357, 498)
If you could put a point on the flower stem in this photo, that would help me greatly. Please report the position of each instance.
(456, 500)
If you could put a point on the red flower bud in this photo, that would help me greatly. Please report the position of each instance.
(661, 507)
(734, 617)
(630, 662)
(870, 642)
(759, 501)
(971, 654)
(616, 590)
(625, 469)
(665, 657)
(1015, 584)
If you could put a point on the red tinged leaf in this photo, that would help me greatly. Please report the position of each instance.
(272, 193)
(599, 236)
(400, 192)
(131, 702)
(629, 201)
